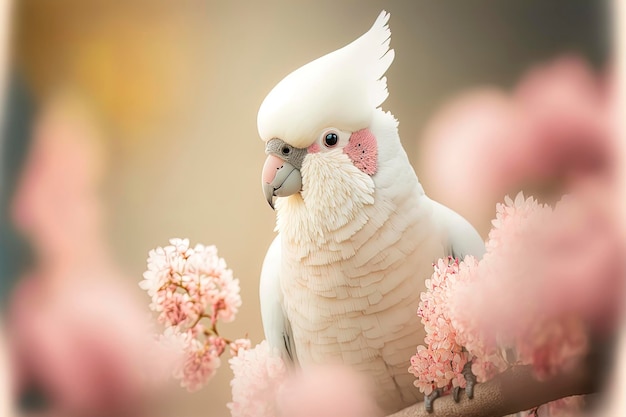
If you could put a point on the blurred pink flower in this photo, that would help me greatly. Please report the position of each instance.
(552, 345)
(258, 375)
(585, 272)
(170, 347)
(75, 330)
(545, 135)
(84, 343)
(57, 203)
(539, 318)
(327, 391)
(263, 387)
(553, 277)
(565, 407)
(556, 261)
(6, 401)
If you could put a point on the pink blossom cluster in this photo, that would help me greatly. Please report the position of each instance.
(522, 304)
(191, 290)
(513, 301)
(439, 365)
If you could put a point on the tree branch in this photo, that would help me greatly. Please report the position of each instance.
(512, 391)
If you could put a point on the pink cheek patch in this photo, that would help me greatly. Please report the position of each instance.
(315, 148)
(362, 149)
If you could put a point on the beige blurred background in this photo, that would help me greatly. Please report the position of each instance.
(177, 85)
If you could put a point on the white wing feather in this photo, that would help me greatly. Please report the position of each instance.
(275, 325)
(462, 237)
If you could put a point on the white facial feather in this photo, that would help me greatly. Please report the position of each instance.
(340, 89)
(334, 193)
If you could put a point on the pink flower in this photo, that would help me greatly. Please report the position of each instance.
(531, 300)
(258, 376)
(239, 344)
(188, 283)
(565, 407)
(176, 308)
(199, 365)
(327, 391)
(192, 289)
(262, 387)
(552, 346)
(522, 278)
(85, 342)
(440, 365)
(214, 284)
(163, 263)
(485, 368)
(553, 128)
(437, 369)
(583, 273)
(75, 329)
(6, 390)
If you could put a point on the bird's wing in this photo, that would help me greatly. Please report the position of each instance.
(275, 324)
(462, 237)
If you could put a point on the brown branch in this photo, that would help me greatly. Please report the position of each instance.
(512, 391)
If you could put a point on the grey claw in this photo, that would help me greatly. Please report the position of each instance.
(429, 399)
(456, 394)
(470, 380)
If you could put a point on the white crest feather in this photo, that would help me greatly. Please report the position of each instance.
(340, 89)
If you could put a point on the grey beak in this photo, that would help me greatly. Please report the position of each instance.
(287, 181)
(268, 190)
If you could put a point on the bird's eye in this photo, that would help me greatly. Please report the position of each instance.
(331, 139)
(286, 150)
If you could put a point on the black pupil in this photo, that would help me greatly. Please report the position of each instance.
(331, 139)
(286, 150)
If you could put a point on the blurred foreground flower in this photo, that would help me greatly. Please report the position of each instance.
(328, 391)
(264, 387)
(258, 376)
(5, 377)
(78, 337)
(554, 277)
(191, 290)
(82, 342)
(546, 135)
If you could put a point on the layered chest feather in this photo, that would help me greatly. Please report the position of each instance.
(356, 274)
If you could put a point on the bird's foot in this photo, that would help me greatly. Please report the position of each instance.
(456, 394)
(430, 398)
(470, 382)
(470, 379)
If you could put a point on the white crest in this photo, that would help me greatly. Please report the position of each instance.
(340, 89)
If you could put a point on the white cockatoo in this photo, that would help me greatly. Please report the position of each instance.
(357, 235)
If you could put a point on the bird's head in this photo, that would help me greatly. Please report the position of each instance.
(317, 123)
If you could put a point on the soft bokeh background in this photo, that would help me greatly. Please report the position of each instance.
(174, 87)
